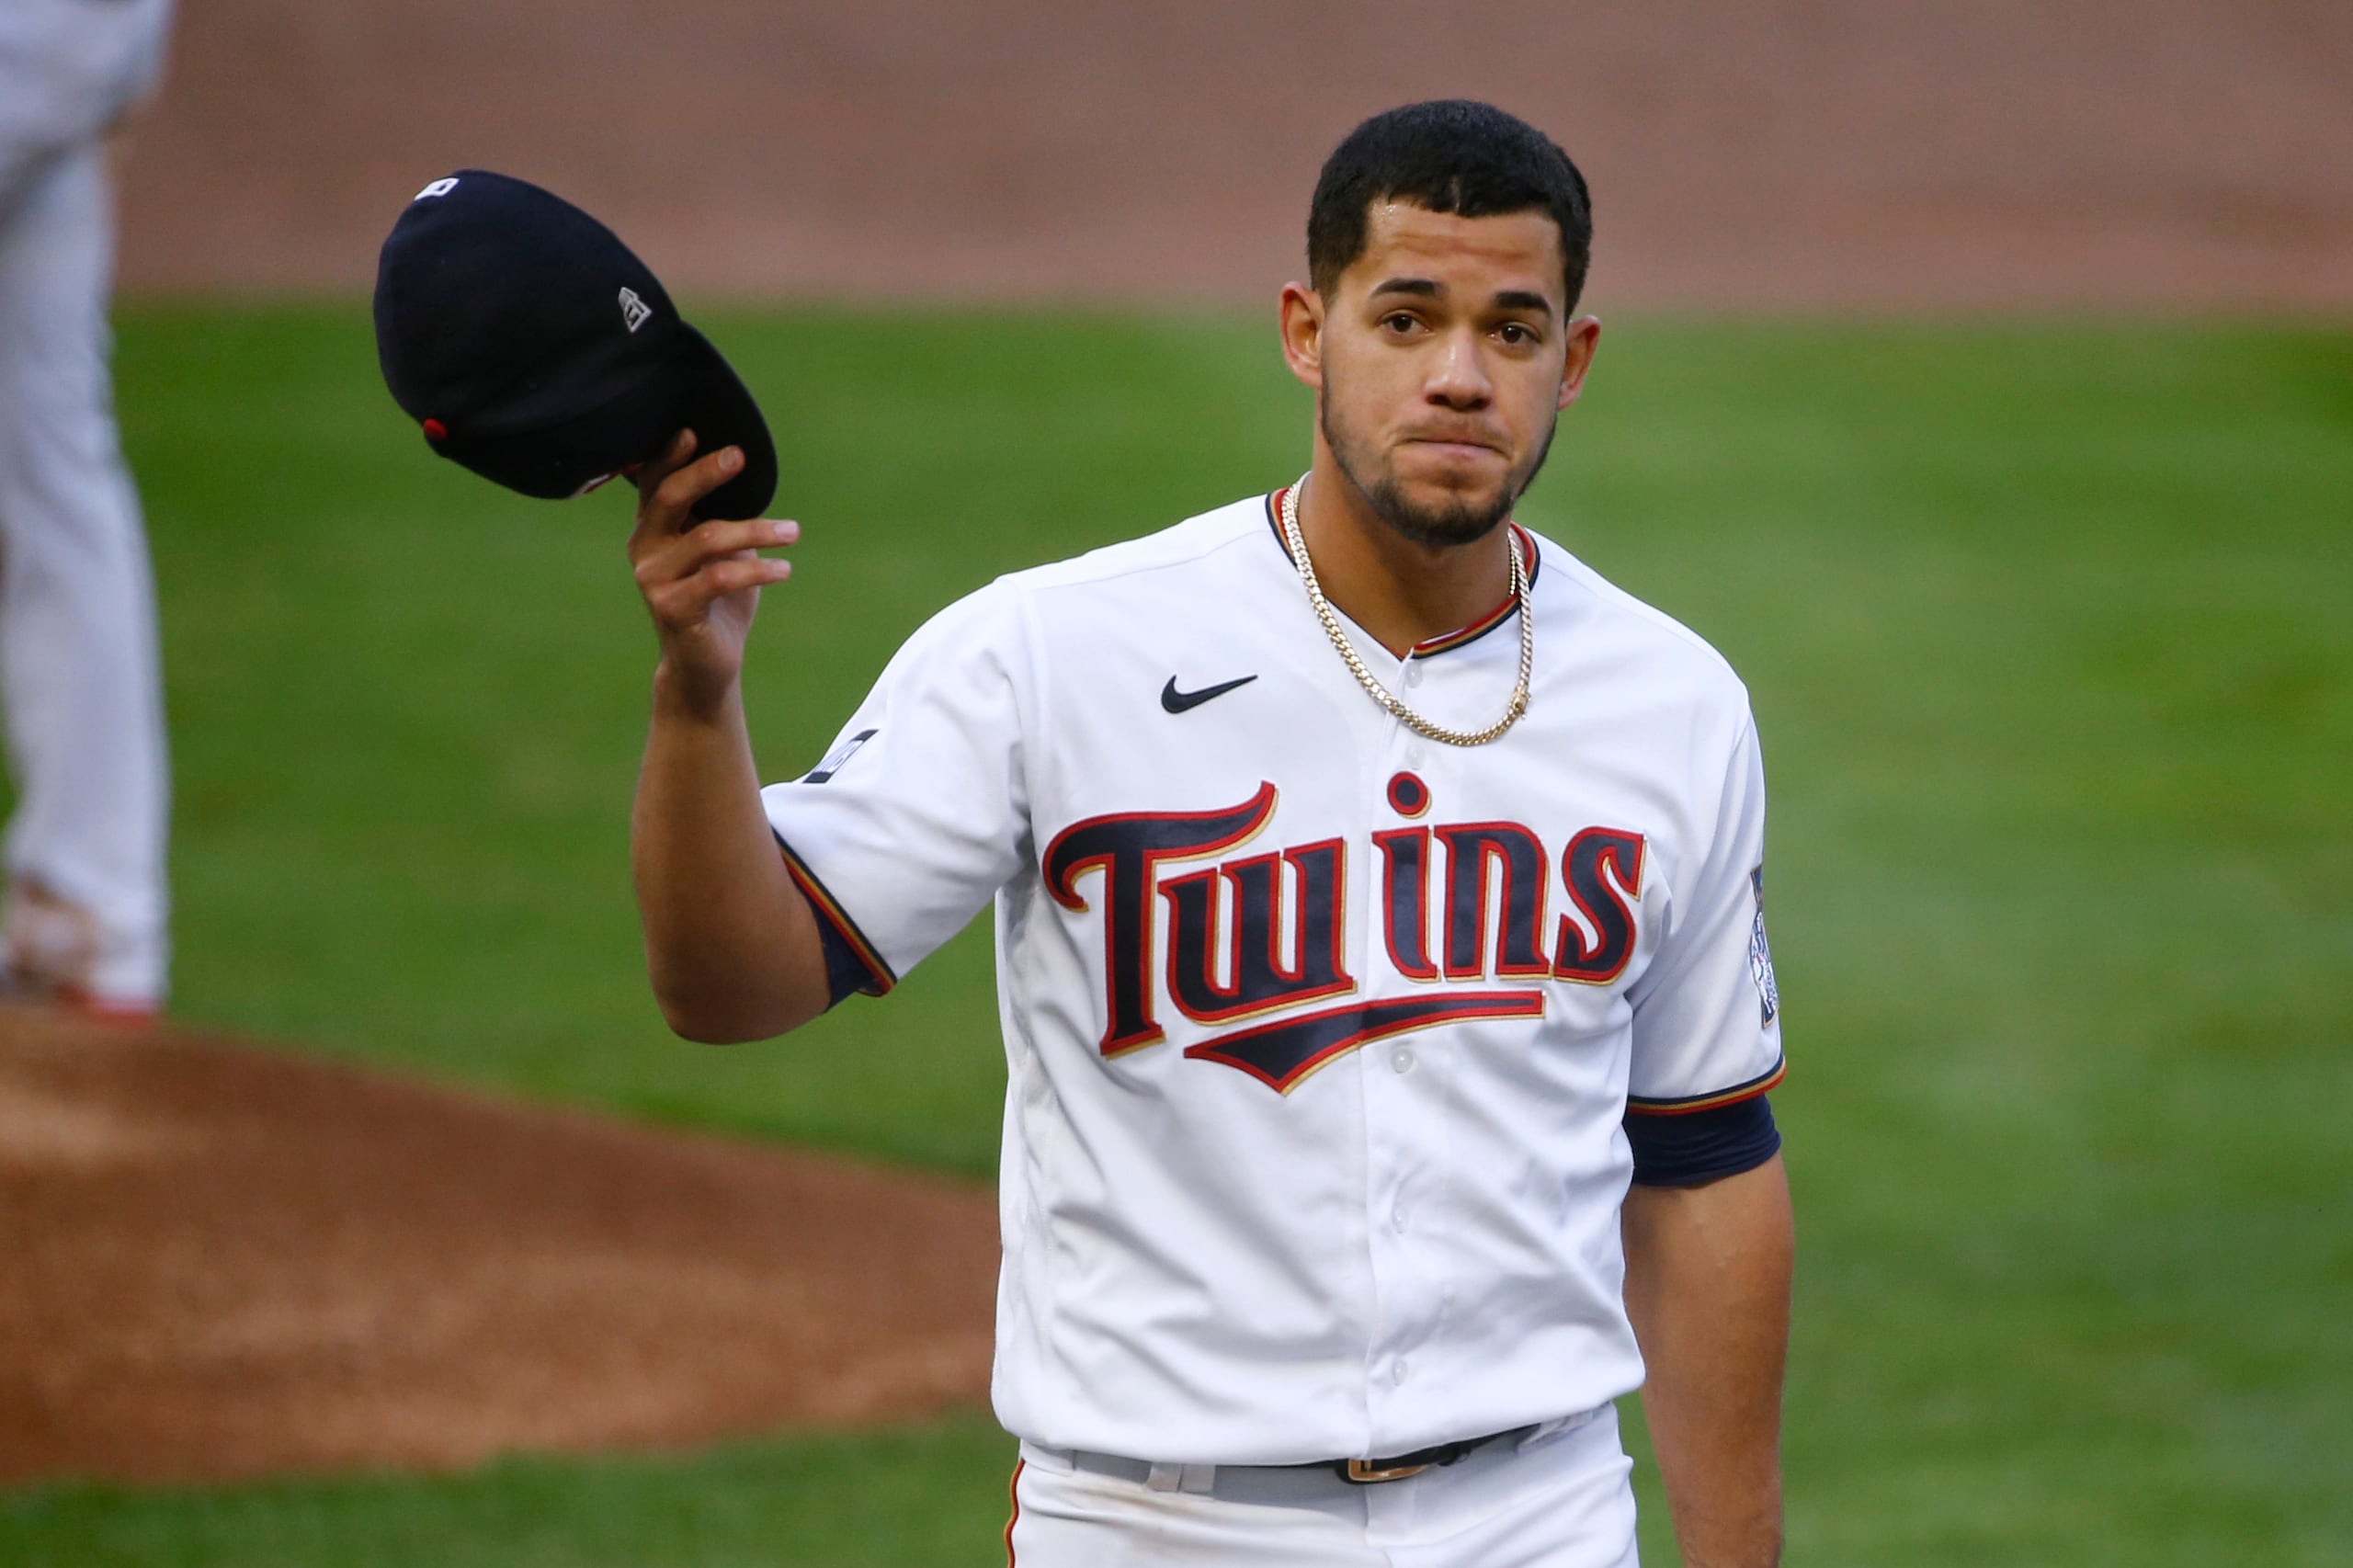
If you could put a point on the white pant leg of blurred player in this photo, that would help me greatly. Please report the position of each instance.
(86, 907)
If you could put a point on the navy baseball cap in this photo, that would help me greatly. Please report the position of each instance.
(535, 350)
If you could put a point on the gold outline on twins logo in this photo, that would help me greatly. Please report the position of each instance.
(1492, 927)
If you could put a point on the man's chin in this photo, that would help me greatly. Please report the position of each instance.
(1441, 516)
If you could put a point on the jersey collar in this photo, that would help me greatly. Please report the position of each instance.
(1445, 643)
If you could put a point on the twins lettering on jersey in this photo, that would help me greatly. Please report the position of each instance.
(1296, 899)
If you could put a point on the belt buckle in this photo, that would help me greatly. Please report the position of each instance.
(1364, 1473)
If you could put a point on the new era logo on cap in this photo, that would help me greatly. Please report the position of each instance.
(633, 310)
(439, 188)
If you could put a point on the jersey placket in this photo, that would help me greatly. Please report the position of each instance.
(1404, 1084)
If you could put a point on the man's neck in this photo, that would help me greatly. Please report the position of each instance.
(1401, 591)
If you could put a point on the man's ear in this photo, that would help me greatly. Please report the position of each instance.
(1584, 338)
(1300, 318)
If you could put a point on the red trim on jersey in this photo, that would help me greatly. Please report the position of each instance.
(1495, 617)
(1062, 886)
(1530, 556)
(1489, 844)
(1617, 884)
(831, 912)
(1013, 1489)
(1403, 788)
(1399, 890)
(1637, 1106)
(1275, 523)
(1375, 1020)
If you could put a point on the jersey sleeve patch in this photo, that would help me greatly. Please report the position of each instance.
(1708, 1146)
(851, 963)
(837, 758)
(1760, 957)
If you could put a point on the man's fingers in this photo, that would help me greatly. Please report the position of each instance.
(670, 485)
(710, 540)
(653, 522)
(687, 486)
(684, 554)
(685, 601)
(671, 457)
(684, 568)
(729, 576)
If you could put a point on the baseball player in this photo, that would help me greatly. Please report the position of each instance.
(1379, 951)
(83, 920)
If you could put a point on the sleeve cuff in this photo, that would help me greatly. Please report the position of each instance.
(1641, 1105)
(1702, 1146)
(851, 963)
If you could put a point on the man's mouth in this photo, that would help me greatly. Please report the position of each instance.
(1456, 446)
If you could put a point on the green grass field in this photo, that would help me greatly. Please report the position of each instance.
(2050, 632)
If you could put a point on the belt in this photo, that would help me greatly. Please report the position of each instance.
(1358, 1472)
(1371, 1472)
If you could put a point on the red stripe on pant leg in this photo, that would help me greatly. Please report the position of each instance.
(1012, 1489)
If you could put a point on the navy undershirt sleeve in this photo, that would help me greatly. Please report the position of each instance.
(846, 974)
(1704, 1145)
(847, 971)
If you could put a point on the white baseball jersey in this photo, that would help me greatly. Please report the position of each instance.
(1319, 1034)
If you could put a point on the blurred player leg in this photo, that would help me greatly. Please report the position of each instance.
(86, 905)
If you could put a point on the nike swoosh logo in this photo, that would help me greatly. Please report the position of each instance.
(1178, 701)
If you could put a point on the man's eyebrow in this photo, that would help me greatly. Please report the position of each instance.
(1429, 289)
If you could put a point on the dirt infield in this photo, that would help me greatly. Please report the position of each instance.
(1821, 154)
(223, 1262)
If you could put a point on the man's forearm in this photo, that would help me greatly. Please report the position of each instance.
(1708, 1273)
(731, 945)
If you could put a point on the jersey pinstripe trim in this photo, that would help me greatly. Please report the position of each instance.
(1637, 1106)
(830, 911)
(1012, 1489)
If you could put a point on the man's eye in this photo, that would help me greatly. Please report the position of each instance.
(1399, 321)
(1517, 335)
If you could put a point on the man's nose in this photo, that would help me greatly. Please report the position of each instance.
(1459, 377)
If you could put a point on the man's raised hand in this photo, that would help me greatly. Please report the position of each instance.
(701, 581)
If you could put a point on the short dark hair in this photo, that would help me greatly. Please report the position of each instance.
(1449, 156)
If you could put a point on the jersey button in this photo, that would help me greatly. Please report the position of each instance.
(1398, 1219)
(1401, 1059)
(1397, 1372)
(1414, 672)
(1415, 755)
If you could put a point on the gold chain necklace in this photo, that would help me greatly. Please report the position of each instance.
(1370, 682)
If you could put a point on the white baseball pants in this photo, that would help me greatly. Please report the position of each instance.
(1558, 1500)
(78, 667)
